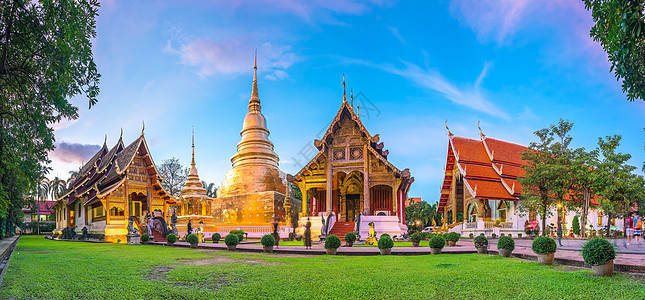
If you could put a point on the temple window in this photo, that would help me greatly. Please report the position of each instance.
(117, 212)
(98, 212)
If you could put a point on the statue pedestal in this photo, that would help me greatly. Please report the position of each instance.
(134, 239)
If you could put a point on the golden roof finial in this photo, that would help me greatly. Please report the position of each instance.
(105, 140)
(143, 127)
(481, 135)
(344, 94)
(121, 136)
(193, 161)
(254, 102)
(351, 96)
(358, 110)
(449, 133)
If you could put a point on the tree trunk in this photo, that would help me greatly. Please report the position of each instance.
(608, 225)
(544, 219)
(586, 195)
(38, 217)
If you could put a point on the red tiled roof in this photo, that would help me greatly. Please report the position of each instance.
(479, 171)
(505, 151)
(470, 150)
(490, 189)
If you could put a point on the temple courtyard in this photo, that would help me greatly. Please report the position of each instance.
(45, 269)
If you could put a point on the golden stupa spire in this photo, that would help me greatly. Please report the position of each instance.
(344, 95)
(254, 102)
(351, 96)
(193, 161)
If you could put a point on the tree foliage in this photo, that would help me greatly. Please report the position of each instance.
(45, 59)
(620, 29)
(420, 214)
(175, 175)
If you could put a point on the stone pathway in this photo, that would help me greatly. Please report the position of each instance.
(624, 262)
(7, 246)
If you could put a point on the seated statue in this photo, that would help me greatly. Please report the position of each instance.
(371, 238)
(131, 229)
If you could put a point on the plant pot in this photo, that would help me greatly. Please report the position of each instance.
(386, 251)
(505, 252)
(331, 251)
(451, 243)
(415, 244)
(435, 250)
(546, 259)
(194, 245)
(215, 242)
(482, 250)
(606, 269)
(171, 244)
(267, 249)
(350, 244)
(145, 243)
(231, 247)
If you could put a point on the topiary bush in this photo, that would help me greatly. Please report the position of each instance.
(519, 235)
(192, 239)
(237, 231)
(598, 251)
(231, 240)
(350, 237)
(471, 235)
(452, 236)
(480, 241)
(385, 235)
(267, 240)
(332, 242)
(415, 237)
(494, 235)
(544, 245)
(506, 242)
(385, 242)
(575, 225)
(171, 238)
(145, 237)
(424, 235)
(437, 242)
(216, 237)
(240, 237)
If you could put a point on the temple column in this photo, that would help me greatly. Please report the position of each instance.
(330, 176)
(454, 211)
(305, 197)
(366, 182)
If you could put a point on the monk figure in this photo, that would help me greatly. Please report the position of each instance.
(307, 237)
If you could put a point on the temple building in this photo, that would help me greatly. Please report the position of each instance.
(350, 176)
(112, 186)
(480, 189)
(193, 204)
(254, 193)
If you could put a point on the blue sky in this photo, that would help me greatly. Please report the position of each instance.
(516, 66)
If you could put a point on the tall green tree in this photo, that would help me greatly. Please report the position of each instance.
(45, 59)
(547, 177)
(585, 181)
(620, 29)
(420, 214)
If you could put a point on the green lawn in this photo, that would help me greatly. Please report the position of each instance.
(43, 269)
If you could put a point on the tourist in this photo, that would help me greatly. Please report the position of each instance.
(308, 234)
(189, 227)
(629, 228)
(638, 226)
(559, 232)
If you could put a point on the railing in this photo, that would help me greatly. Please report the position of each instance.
(252, 229)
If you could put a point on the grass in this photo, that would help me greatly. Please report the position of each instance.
(43, 269)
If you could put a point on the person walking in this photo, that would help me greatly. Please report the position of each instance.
(189, 227)
(637, 220)
(559, 232)
(308, 234)
(629, 228)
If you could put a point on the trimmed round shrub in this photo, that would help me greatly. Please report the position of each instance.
(382, 235)
(192, 239)
(494, 235)
(231, 240)
(216, 237)
(171, 238)
(471, 235)
(267, 240)
(598, 251)
(544, 245)
(240, 237)
(452, 237)
(506, 242)
(350, 237)
(480, 241)
(425, 235)
(437, 242)
(332, 241)
(519, 235)
(237, 231)
(415, 237)
(145, 237)
(385, 242)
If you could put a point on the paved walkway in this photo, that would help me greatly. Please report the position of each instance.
(6, 248)
(576, 244)
(624, 262)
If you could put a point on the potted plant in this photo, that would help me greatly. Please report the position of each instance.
(505, 245)
(216, 237)
(231, 241)
(436, 244)
(452, 238)
(385, 244)
(267, 242)
(332, 243)
(193, 240)
(544, 247)
(145, 238)
(171, 239)
(519, 235)
(415, 238)
(600, 254)
(471, 235)
(494, 235)
(350, 238)
(481, 243)
(240, 237)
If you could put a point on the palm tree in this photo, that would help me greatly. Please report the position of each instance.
(42, 191)
(72, 176)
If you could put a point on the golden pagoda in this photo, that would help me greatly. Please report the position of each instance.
(194, 204)
(253, 192)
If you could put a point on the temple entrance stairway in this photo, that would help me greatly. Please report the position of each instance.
(157, 236)
(341, 228)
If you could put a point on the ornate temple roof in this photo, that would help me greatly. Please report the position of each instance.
(108, 169)
(490, 168)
